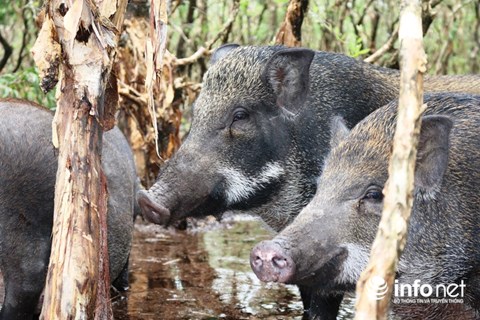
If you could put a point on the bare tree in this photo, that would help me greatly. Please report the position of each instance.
(79, 40)
(290, 33)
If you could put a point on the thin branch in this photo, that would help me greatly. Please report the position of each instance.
(132, 94)
(24, 41)
(357, 22)
(177, 5)
(200, 53)
(476, 38)
(262, 14)
(383, 49)
(205, 51)
(447, 47)
(182, 34)
(445, 53)
(187, 25)
(227, 26)
(7, 48)
(374, 30)
(364, 12)
(435, 3)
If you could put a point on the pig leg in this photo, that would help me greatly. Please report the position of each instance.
(324, 307)
(318, 306)
(20, 303)
(24, 254)
(121, 283)
(306, 295)
(24, 282)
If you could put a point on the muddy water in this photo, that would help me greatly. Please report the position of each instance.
(203, 273)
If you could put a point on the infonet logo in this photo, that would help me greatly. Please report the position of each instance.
(417, 292)
(377, 288)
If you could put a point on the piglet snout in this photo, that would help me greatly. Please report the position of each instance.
(270, 262)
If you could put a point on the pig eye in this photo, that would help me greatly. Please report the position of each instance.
(373, 194)
(240, 114)
(239, 119)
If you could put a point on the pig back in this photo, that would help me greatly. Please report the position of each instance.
(28, 165)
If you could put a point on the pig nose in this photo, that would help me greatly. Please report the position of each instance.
(152, 211)
(270, 262)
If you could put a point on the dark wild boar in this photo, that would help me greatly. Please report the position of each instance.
(254, 145)
(28, 166)
(328, 245)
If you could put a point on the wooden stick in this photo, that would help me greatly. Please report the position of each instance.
(392, 232)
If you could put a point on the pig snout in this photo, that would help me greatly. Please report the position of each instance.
(270, 262)
(151, 210)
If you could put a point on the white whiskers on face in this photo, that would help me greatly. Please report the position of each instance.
(356, 261)
(240, 187)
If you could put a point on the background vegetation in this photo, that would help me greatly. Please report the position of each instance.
(364, 29)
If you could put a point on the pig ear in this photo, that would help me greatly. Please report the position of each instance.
(338, 131)
(287, 72)
(432, 154)
(222, 51)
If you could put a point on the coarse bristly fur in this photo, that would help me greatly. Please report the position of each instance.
(261, 105)
(339, 85)
(442, 245)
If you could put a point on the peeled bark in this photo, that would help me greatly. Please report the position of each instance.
(155, 51)
(392, 233)
(78, 43)
(290, 33)
(135, 116)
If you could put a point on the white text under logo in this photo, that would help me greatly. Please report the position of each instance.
(417, 292)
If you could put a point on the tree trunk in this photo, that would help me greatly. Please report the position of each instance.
(290, 33)
(392, 233)
(79, 41)
(150, 115)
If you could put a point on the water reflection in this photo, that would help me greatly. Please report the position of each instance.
(202, 274)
